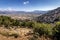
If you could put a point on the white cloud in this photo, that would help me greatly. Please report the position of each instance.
(7, 9)
(10, 9)
(26, 2)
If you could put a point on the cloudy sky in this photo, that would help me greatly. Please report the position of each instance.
(29, 5)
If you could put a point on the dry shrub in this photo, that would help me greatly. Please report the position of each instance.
(8, 32)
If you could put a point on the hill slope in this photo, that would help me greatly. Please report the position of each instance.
(50, 17)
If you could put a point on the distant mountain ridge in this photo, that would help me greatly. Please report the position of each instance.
(22, 12)
(50, 17)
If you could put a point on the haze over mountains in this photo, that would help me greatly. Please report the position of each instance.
(22, 12)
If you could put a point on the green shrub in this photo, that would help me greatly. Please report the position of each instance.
(29, 24)
(22, 23)
(7, 21)
(43, 28)
(56, 29)
(15, 23)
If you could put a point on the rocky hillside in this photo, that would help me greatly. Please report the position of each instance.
(50, 17)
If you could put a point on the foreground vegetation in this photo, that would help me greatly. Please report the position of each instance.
(50, 30)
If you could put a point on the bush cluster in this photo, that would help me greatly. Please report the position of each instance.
(43, 29)
(47, 29)
(9, 22)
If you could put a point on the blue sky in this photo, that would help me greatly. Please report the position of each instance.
(29, 5)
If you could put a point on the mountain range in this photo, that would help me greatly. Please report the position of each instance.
(50, 17)
(22, 12)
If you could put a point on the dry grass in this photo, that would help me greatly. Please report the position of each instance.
(12, 38)
(9, 34)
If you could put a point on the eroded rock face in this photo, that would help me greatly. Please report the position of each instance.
(50, 16)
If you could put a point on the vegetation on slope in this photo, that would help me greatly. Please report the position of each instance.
(40, 29)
